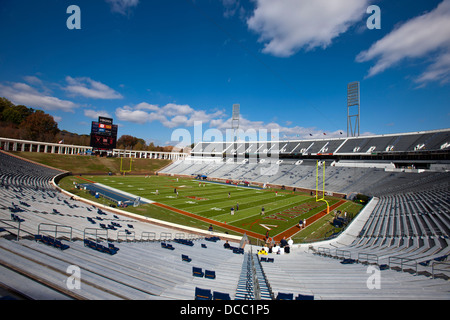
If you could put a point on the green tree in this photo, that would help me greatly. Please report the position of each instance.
(140, 146)
(16, 114)
(4, 103)
(127, 141)
(11, 115)
(39, 126)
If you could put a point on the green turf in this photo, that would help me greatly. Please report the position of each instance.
(211, 200)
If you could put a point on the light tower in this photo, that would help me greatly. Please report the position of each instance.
(353, 102)
(235, 120)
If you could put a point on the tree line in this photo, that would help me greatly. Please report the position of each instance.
(132, 143)
(21, 122)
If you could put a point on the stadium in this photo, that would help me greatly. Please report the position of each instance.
(126, 175)
(396, 247)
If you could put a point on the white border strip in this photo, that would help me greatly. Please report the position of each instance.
(123, 192)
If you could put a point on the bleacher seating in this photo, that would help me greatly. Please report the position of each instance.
(346, 179)
(406, 228)
(407, 223)
(110, 248)
(51, 241)
(129, 269)
(406, 142)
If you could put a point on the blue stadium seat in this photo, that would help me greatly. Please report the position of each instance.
(197, 272)
(285, 296)
(184, 241)
(221, 296)
(202, 294)
(185, 258)
(348, 261)
(51, 242)
(304, 297)
(210, 274)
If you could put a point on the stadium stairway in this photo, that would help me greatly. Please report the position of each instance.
(245, 289)
(252, 284)
(263, 284)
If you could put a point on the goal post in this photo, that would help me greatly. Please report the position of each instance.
(323, 185)
(124, 168)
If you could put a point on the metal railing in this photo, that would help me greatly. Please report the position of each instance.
(403, 262)
(148, 236)
(368, 258)
(444, 267)
(343, 254)
(10, 226)
(55, 229)
(125, 235)
(97, 234)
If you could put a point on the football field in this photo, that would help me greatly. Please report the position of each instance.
(241, 209)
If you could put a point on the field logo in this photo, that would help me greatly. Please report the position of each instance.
(268, 226)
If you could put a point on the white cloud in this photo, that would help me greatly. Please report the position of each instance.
(437, 71)
(128, 114)
(122, 6)
(22, 93)
(89, 88)
(147, 106)
(94, 114)
(183, 116)
(33, 80)
(231, 7)
(171, 115)
(57, 118)
(287, 26)
(172, 109)
(426, 36)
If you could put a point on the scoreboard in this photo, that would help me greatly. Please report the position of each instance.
(102, 142)
(104, 129)
(103, 134)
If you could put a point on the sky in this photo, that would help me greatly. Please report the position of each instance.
(161, 67)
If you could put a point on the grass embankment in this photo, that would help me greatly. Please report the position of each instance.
(78, 164)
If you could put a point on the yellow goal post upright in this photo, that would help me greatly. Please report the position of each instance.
(323, 185)
(122, 170)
